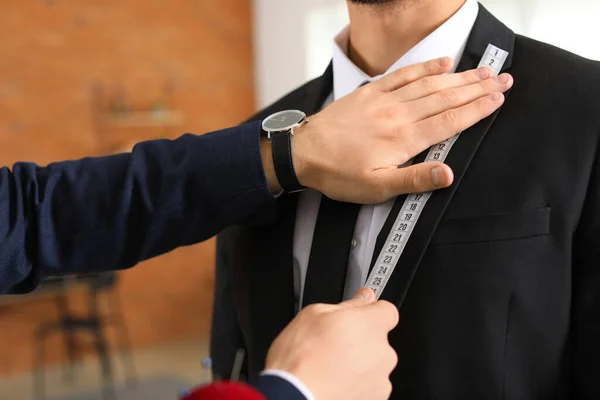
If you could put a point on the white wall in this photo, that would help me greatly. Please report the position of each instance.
(293, 37)
(285, 42)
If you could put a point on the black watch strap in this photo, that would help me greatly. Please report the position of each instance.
(281, 147)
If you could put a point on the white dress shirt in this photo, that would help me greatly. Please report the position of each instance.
(448, 40)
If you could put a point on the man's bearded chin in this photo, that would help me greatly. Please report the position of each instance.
(386, 4)
(374, 2)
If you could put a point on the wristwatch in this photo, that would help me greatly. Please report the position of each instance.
(279, 129)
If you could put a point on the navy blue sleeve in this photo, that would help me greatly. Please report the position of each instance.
(276, 388)
(110, 213)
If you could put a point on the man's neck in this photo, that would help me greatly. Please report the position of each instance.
(380, 35)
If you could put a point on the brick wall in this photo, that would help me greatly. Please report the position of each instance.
(65, 67)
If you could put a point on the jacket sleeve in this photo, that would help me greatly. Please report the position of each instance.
(275, 387)
(585, 332)
(224, 390)
(110, 213)
(264, 388)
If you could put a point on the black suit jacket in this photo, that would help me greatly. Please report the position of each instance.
(499, 285)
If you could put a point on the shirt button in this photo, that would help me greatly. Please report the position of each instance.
(354, 243)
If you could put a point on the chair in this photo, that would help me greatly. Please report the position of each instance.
(69, 324)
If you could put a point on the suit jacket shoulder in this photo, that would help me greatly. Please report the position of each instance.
(562, 74)
(291, 99)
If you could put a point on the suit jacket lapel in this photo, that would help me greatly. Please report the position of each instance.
(487, 29)
(270, 250)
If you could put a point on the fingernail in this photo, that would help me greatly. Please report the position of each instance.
(502, 78)
(436, 175)
(363, 294)
(483, 73)
(444, 61)
(496, 96)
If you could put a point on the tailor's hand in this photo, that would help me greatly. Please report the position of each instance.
(340, 351)
(351, 150)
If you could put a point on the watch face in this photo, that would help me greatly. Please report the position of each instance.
(283, 120)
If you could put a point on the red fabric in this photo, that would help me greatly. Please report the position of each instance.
(225, 391)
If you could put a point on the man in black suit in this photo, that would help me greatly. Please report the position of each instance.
(498, 286)
(110, 213)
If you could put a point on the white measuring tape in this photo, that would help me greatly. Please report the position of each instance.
(414, 204)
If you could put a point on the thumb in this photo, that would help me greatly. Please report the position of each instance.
(422, 177)
(362, 297)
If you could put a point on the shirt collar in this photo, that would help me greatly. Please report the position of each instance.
(449, 40)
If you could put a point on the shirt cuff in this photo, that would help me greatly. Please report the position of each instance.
(298, 384)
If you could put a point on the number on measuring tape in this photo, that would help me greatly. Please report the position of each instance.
(494, 58)
(414, 204)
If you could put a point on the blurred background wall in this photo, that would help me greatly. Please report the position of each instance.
(91, 77)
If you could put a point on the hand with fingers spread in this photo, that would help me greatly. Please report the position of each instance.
(340, 351)
(351, 150)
